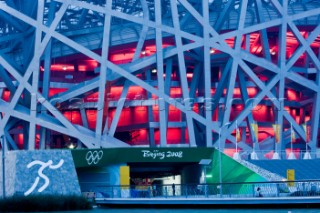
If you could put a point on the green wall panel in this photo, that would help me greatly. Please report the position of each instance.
(232, 171)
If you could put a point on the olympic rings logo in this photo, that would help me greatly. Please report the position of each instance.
(94, 157)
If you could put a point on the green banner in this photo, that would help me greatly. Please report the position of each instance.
(101, 157)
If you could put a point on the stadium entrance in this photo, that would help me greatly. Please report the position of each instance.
(142, 168)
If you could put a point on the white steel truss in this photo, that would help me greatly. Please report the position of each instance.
(207, 49)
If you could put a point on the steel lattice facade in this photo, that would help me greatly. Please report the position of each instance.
(120, 73)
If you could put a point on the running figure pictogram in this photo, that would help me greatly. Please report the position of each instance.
(40, 174)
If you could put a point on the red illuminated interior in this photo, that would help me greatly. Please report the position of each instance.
(138, 115)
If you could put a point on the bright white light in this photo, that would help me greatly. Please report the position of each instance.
(172, 179)
(64, 68)
(212, 51)
(154, 70)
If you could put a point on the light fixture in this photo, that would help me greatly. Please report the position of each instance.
(212, 51)
(154, 70)
(272, 51)
(64, 67)
(143, 52)
(71, 146)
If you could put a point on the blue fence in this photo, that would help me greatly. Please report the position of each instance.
(310, 188)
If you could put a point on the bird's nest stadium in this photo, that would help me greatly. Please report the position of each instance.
(240, 77)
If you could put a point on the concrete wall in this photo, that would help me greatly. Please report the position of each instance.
(39, 172)
(109, 175)
(99, 180)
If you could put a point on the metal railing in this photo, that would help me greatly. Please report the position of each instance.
(306, 188)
